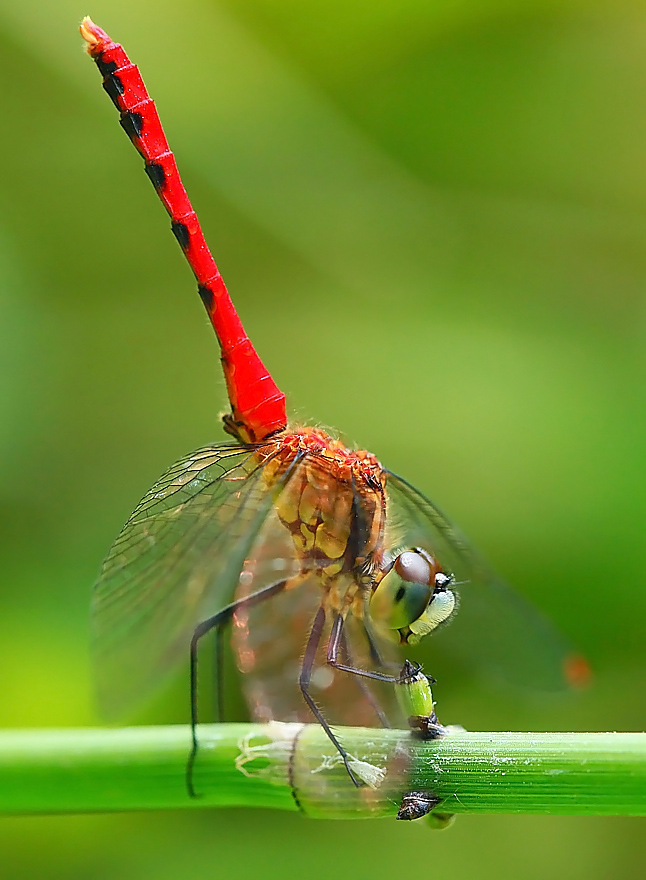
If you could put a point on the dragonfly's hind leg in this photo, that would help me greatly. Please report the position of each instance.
(218, 674)
(217, 622)
(304, 682)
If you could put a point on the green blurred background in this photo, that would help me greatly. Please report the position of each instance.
(432, 217)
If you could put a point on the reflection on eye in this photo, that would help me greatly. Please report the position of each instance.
(412, 566)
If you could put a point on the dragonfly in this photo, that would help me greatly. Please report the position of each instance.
(324, 563)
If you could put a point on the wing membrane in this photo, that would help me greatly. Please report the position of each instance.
(176, 561)
(495, 628)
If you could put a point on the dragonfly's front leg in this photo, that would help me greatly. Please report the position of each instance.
(336, 640)
(363, 686)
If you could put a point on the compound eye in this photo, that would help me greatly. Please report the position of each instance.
(397, 602)
(413, 567)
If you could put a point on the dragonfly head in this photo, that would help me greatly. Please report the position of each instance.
(413, 595)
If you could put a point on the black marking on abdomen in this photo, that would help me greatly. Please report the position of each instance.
(132, 123)
(206, 295)
(157, 175)
(180, 231)
(114, 88)
(106, 67)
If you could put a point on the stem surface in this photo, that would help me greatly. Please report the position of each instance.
(294, 767)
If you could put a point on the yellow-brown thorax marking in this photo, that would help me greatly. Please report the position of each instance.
(333, 504)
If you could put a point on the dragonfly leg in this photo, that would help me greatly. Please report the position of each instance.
(304, 682)
(345, 650)
(375, 653)
(336, 640)
(217, 622)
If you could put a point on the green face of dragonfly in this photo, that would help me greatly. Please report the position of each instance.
(413, 597)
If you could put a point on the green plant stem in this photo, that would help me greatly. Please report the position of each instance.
(293, 767)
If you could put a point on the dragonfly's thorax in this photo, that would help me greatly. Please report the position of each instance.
(331, 498)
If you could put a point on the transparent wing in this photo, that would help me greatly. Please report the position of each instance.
(176, 561)
(494, 628)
